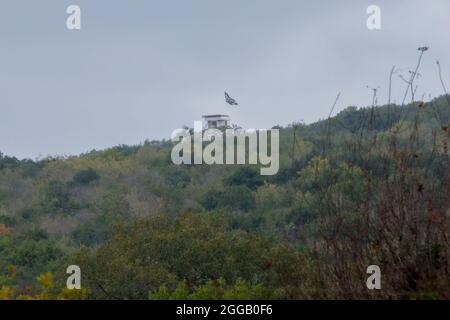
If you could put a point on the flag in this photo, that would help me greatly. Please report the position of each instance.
(230, 100)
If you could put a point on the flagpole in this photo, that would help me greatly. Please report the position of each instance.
(225, 101)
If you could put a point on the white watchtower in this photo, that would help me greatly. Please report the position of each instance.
(215, 121)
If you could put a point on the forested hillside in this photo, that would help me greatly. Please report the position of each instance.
(369, 186)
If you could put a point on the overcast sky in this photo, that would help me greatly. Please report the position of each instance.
(139, 69)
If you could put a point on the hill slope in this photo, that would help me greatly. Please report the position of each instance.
(368, 186)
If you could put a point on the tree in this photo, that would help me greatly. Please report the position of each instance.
(86, 176)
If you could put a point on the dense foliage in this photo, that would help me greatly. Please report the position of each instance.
(368, 186)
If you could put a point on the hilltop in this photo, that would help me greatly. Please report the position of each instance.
(366, 186)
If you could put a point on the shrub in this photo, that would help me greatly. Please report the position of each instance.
(235, 197)
(245, 176)
(86, 176)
